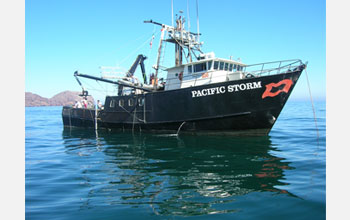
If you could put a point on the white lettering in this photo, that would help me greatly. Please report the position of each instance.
(249, 85)
(242, 87)
(257, 84)
(222, 89)
(212, 91)
(235, 87)
(194, 93)
(229, 88)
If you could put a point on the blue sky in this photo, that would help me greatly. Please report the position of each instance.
(62, 36)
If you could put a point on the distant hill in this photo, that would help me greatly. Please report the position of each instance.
(61, 99)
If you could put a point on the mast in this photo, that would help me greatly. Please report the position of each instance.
(178, 48)
(183, 40)
(158, 58)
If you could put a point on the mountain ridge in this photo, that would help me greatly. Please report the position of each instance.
(61, 99)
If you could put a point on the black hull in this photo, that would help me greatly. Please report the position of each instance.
(245, 106)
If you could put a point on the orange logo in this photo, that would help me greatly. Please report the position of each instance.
(205, 75)
(287, 83)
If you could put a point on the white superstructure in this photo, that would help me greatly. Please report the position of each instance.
(206, 70)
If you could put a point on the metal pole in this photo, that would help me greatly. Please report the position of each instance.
(188, 17)
(197, 20)
(158, 59)
(96, 115)
(172, 13)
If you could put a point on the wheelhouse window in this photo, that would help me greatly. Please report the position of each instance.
(230, 67)
(209, 64)
(226, 66)
(221, 65)
(112, 104)
(131, 102)
(200, 67)
(234, 67)
(189, 69)
(121, 102)
(216, 65)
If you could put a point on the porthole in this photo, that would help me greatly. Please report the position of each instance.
(121, 102)
(141, 101)
(112, 104)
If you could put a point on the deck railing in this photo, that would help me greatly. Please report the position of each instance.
(254, 70)
(274, 67)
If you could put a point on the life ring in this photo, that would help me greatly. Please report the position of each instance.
(180, 76)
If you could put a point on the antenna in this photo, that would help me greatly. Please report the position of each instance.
(172, 13)
(188, 17)
(197, 19)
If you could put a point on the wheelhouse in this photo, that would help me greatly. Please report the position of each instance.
(204, 71)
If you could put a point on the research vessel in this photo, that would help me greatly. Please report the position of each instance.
(201, 93)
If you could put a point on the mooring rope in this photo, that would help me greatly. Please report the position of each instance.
(135, 117)
(313, 108)
(178, 130)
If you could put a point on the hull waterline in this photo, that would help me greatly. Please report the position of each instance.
(248, 106)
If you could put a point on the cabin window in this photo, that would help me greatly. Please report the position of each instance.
(209, 64)
(131, 102)
(230, 67)
(216, 65)
(226, 66)
(234, 67)
(121, 102)
(141, 101)
(189, 69)
(221, 66)
(239, 68)
(200, 67)
(112, 104)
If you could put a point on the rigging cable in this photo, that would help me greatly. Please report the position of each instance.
(132, 42)
(137, 49)
(313, 108)
(100, 91)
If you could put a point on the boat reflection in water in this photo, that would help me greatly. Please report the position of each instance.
(185, 176)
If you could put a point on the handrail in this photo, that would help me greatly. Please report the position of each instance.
(259, 72)
(293, 65)
(279, 61)
(259, 69)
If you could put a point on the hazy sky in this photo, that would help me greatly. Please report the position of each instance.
(62, 36)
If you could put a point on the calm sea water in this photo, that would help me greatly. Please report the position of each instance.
(78, 174)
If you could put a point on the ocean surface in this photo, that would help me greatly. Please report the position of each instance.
(81, 174)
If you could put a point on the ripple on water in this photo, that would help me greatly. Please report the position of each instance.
(74, 174)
